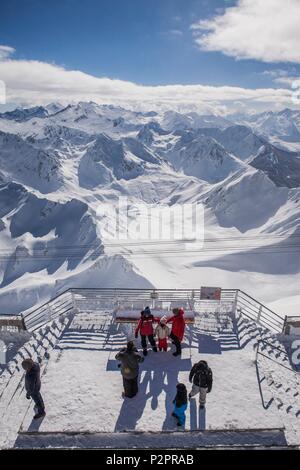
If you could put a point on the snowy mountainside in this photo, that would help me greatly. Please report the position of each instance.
(173, 120)
(284, 124)
(281, 166)
(204, 158)
(60, 165)
(21, 161)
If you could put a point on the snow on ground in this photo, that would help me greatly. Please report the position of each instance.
(287, 305)
(10, 342)
(82, 385)
(13, 404)
(273, 367)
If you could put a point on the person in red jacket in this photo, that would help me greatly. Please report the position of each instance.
(178, 327)
(145, 327)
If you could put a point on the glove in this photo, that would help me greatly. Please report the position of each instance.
(136, 335)
(28, 396)
(208, 390)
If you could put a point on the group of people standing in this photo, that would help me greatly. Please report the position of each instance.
(146, 329)
(200, 375)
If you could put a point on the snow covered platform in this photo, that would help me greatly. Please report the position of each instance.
(82, 389)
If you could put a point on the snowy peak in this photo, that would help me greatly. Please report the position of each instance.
(27, 164)
(107, 159)
(281, 166)
(284, 125)
(25, 114)
(202, 157)
(173, 120)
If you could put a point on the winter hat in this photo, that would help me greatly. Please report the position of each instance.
(163, 319)
(27, 364)
(180, 386)
(175, 311)
(147, 311)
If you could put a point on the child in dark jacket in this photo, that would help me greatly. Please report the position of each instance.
(180, 404)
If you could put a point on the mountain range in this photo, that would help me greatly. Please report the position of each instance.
(60, 166)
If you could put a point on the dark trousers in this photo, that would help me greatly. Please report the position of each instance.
(39, 402)
(177, 342)
(130, 387)
(151, 341)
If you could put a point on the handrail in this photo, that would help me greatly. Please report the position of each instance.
(248, 306)
(47, 303)
(257, 301)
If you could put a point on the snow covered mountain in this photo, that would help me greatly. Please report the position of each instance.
(173, 120)
(60, 166)
(281, 166)
(202, 157)
(284, 124)
(23, 162)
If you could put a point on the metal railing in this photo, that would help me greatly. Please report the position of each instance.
(86, 299)
(254, 310)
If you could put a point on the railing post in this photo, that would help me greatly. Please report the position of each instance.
(259, 313)
(284, 329)
(73, 298)
(235, 302)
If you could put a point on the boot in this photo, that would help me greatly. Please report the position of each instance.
(154, 348)
(177, 353)
(145, 352)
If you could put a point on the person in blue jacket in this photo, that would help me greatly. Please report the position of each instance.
(180, 404)
(33, 386)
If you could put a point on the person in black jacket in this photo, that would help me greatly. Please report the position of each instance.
(202, 379)
(33, 386)
(129, 359)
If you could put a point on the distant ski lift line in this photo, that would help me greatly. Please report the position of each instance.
(161, 242)
(147, 254)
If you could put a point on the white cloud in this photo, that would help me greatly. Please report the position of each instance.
(31, 82)
(176, 32)
(6, 51)
(266, 30)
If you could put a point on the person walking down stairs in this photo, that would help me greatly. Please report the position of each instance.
(202, 379)
(33, 386)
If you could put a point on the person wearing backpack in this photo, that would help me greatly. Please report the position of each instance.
(202, 378)
(145, 327)
(129, 359)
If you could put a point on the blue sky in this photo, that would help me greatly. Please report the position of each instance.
(151, 42)
(144, 41)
